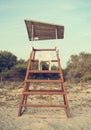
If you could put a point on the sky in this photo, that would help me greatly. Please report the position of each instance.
(75, 15)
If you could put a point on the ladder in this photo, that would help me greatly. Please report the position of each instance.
(28, 80)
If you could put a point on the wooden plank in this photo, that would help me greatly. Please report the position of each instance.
(46, 31)
(44, 92)
(44, 49)
(43, 105)
(44, 71)
(43, 81)
(44, 37)
(43, 26)
(45, 60)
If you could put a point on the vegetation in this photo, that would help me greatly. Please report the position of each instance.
(78, 68)
(10, 67)
(7, 60)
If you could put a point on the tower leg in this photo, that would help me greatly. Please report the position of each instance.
(24, 98)
(20, 106)
(67, 106)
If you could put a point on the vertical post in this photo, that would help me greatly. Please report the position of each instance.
(32, 38)
(56, 33)
(56, 36)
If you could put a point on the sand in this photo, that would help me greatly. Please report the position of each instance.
(79, 97)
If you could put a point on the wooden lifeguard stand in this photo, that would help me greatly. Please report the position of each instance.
(43, 31)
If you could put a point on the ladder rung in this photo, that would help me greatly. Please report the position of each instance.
(42, 105)
(44, 92)
(42, 61)
(43, 81)
(44, 71)
(44, 49)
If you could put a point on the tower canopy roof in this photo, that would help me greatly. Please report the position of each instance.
(43, 31)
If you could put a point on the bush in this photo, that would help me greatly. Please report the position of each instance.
(16, 73)
(7, 60)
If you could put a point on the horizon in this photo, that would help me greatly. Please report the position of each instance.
(74, 15)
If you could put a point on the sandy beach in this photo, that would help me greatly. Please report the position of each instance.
(79, 97)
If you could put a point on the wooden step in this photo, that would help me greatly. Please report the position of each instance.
(42, 81)
(44, 49)
(44, 71)
(43, 105)
(43, 61)
(44, 92)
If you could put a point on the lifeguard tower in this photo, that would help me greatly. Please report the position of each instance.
(43, 31)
